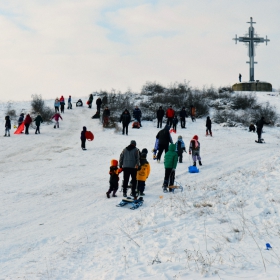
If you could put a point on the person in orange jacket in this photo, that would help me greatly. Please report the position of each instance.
(114, 178)
(170, 113)
(143, 172)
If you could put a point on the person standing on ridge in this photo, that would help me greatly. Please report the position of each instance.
(160, 115)
(240, 77)
(170, 113)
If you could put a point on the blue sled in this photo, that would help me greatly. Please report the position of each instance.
(193, 169)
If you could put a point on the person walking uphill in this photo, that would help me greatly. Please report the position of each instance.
(125, 120)
(83, 138)
(38, 120)
(27, 123)
(7, 126)
(160, 115)
(170, 113)
(208, 126)
(183, 115)
(129, 162)
(259, 125)
(56, 117)
(195, 150)
(137, 114)
(170, 164)
(164, 138)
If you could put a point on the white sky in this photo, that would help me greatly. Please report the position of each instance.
(62, 47)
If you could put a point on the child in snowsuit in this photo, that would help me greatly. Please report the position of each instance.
(170, 164)
(143, 172)
(192, 113)
(208, 126)
(38, 120)
(195, 150)
(180, 148)
(114, 178)
(62, 103)
(7, 126)
(56, 117)
(175, 122)
(83, 138)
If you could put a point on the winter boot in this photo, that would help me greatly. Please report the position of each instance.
(211, 133)
(114, 193)
(54, 126)
(108, 194)
(142, 194)
(206, 133)
(194, 163)
(200, 163)
(124, 194)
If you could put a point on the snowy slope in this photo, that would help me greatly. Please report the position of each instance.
(56, 222)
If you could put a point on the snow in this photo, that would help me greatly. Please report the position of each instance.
(56, 222)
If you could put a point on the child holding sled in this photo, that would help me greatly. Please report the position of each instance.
(83, 138)
(180, 148)
(195, 150)
(143, 172)
(56, 117)
(114, 178)
(170, 164)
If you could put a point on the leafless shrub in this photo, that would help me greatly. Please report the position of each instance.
(38, 107)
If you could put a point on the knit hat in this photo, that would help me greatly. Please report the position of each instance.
(144, 151)
(180, 137)
(195, 137)
(133, 142)
(114, 162)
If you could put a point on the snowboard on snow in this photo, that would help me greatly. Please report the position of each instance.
(135, 203)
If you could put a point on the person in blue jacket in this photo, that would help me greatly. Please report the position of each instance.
(180, 148)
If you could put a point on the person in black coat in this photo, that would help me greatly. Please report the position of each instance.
(164, 138)
(137, 114)
(260, 124)
(183, 115)
(106, 116)
(208, 126)
(20, 119)
(125, 120)
(98, 104)
(83, 138)
(7, 126)
(38, 120)
(160, 115)
(174, 123)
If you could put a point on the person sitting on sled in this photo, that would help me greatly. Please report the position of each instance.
(195, 150)
(114, 178)
(143, 172)
(170, 164)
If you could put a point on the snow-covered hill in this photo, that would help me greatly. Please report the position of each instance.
(56, 222)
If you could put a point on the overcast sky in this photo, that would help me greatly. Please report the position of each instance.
(62, 47)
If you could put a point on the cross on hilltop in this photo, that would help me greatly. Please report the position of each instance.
(252, 40)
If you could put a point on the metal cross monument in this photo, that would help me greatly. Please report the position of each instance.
(252, 39)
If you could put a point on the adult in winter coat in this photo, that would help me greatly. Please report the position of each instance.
(56, 117)
(260, 124)
(106, 116)
(69, 102)
(27, 123)
(208, 126)
(38, 120)
(56, 105)
(183, 115)
(90, 99)
(164, 138)
(83, 138)
(193, 112)
(62, 104)
(160, 115)
(194, 149)
(129, 162)
(170, 164)
(98, 104)
(7, 126)
(20, 119)
(125, 120)
(137, 114)
(170, 113)
(143, 172)
(180, 148)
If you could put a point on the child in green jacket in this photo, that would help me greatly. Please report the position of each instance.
(170, 164)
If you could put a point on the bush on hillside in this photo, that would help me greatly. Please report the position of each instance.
(38, 107)
(151, 88)
(11, 112)
(266, 111)
(244, 101)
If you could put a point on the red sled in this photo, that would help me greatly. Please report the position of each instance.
(89, 136)
(88, 102)
(136, 125)
(20, 129)
(172, 130)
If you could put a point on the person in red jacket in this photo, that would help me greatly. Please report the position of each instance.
(27, 123)
(170, 113)
(62, 103)
(56, 117)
